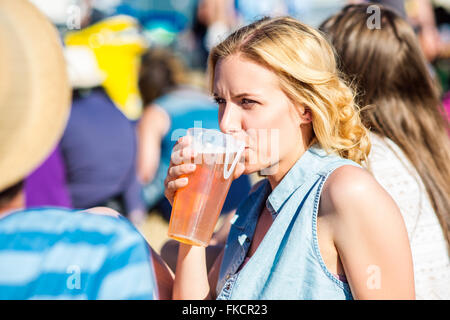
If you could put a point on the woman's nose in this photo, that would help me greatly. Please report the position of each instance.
(230, 119)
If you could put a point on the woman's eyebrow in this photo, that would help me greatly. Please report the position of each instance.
(239, 95)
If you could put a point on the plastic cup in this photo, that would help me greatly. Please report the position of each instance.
(197, 206)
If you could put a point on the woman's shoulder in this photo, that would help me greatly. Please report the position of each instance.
(346, 182)
(352, 192)
(357, 207)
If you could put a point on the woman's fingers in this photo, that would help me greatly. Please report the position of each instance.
(176, 184)
(182, 142)
(182, 152)
(172, 186)
(182, 155)
(180, 164)
(176, 171)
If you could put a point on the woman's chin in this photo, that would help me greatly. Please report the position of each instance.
(249, 169)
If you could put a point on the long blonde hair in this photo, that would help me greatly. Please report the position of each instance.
(306, 66)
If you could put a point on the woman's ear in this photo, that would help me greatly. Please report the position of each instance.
(301, 113)
(305, 115)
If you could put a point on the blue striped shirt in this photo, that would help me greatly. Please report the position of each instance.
(54, 253)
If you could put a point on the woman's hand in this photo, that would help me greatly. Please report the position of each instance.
(182, 164)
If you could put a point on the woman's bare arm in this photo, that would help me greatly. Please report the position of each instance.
(370, 236)
(191, 277)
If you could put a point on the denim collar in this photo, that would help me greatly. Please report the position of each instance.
(295, 178)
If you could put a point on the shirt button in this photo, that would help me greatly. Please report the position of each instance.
(247, 240)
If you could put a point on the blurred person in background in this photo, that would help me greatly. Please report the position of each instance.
(442, 17)
(212, 19)
(421, 14)
(98, 148)
(422, 18)
(219, 17)
(442, 65)
(48, 252)
(410, 147)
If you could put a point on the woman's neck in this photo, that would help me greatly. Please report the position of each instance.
(282, 167)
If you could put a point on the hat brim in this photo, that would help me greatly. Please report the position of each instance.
(34, 90)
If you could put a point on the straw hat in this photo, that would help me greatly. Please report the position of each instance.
(34, 90)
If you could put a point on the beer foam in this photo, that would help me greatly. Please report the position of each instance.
(217, 144)
(214, 142)
(202, 148)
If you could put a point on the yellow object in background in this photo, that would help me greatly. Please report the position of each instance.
(118, 46)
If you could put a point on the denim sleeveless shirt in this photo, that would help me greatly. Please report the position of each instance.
(287, 263)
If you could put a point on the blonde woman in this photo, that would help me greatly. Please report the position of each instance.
(319, 226)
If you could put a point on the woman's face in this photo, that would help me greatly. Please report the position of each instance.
(253, 108)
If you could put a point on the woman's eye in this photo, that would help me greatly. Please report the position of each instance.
(219, 101)
(247, 102)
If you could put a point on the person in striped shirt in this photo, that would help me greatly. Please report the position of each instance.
(55, 253)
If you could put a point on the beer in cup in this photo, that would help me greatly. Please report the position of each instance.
(197, 206)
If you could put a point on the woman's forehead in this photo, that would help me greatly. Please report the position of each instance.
(236, 73)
